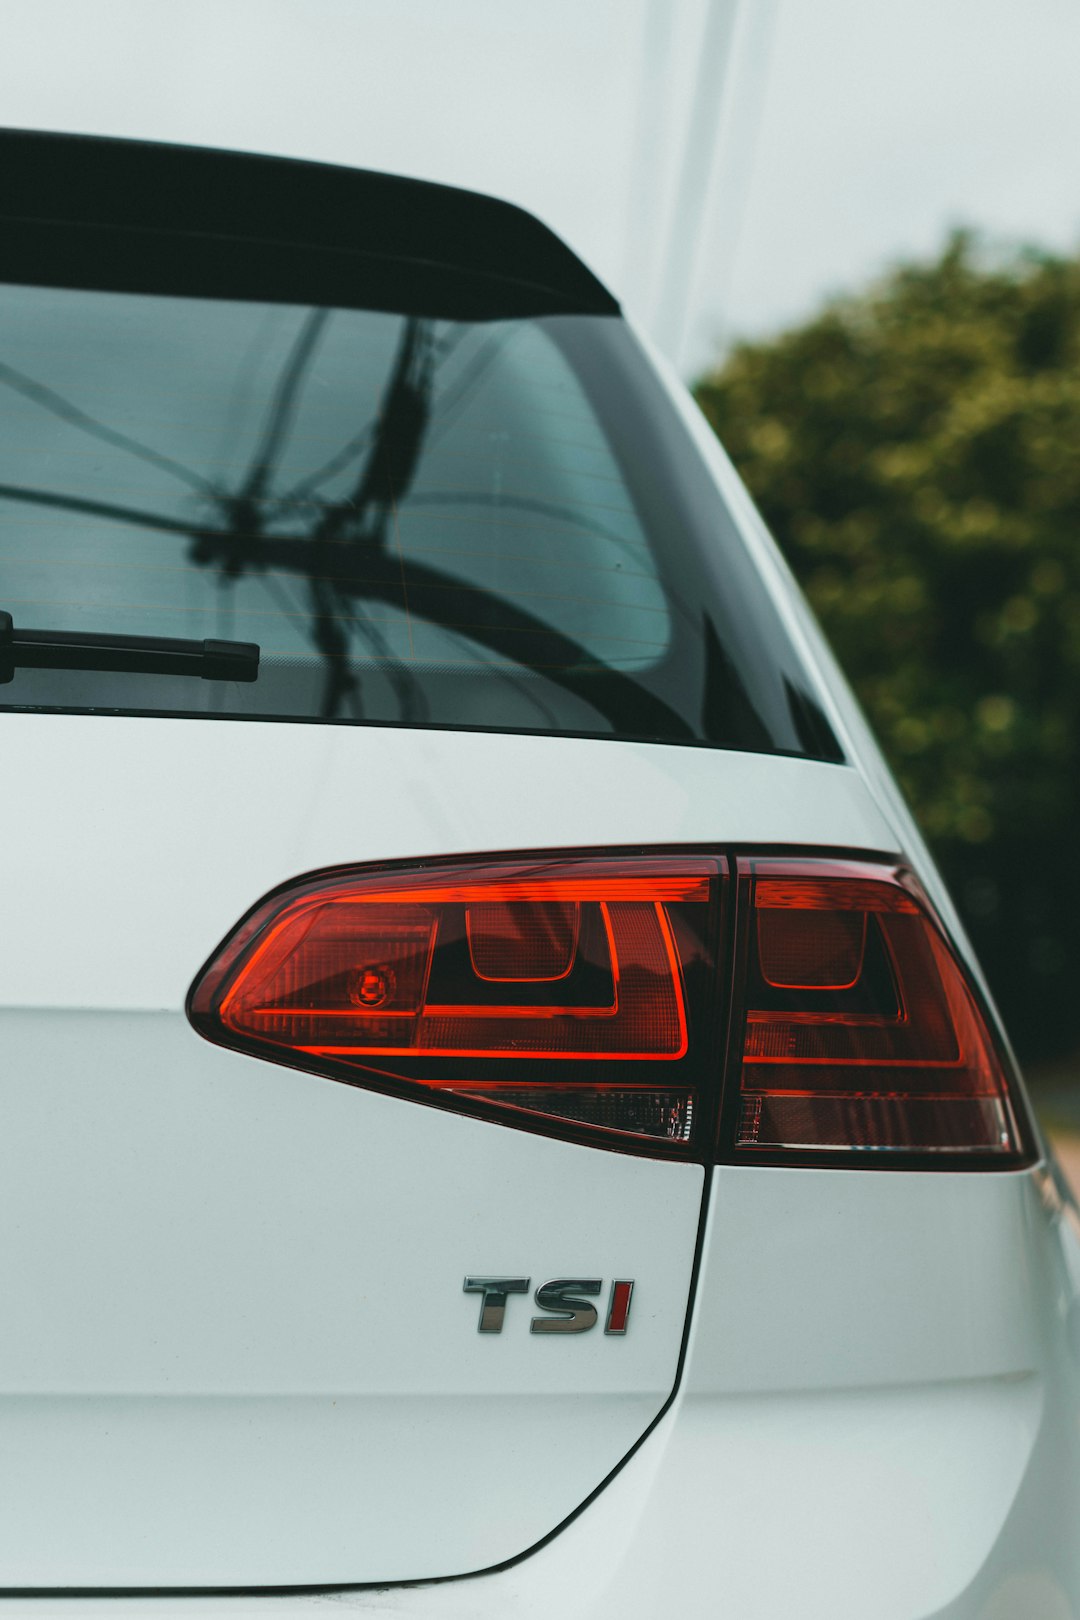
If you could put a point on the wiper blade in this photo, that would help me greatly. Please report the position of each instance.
(136, 655)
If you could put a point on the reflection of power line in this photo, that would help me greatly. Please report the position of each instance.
(395, 447)
(723, 216)
(330, 469)
(102, 509)
(387, 472)
(447, 407)
(528, 503)
(244, 511)
(362, 517)
(347, 562)
(359, 441)
(283, 407)
(57, 405)
(412, 704)
(645, 198)
(366, 572)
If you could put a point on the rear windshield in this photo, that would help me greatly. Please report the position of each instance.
(419, 521)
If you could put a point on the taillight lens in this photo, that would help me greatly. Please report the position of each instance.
(604, 997)
(564, 988)
(860, 1030)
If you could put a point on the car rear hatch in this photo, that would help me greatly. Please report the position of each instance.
(342, 526)
(236, 1348)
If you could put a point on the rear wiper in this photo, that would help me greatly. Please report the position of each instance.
(137, 655)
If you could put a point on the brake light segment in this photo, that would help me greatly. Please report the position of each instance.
(553, 987)
(861, 1031)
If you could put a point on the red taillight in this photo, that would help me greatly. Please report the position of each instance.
(551, 987)
(861, 1032)
(596, 996)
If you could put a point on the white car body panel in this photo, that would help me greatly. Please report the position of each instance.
(244, 1316)
(925, 1468)
(148, 893)
(877, 1408)
(302, 1368)
(925, 1465)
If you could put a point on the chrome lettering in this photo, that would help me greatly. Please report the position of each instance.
(575, 1315)
(493, 1304)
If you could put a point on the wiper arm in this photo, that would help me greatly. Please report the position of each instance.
(136, 655)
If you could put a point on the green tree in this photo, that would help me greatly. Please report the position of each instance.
(915, 451)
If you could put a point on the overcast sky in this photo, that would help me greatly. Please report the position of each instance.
(851, 133)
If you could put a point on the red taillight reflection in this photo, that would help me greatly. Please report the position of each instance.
(861, 1031)
(485, 983)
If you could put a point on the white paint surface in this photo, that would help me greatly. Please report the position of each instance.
(151, 838)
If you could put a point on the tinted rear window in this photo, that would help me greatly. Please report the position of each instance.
(419, 520)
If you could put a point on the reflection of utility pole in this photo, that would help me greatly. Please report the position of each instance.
(646, 207)
(713, 176)
(730, 186)
(691, 195)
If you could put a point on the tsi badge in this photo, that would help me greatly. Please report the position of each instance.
(564, 1300)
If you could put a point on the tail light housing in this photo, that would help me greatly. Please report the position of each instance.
(860, 1031)
(569, 991)
(696, 1005)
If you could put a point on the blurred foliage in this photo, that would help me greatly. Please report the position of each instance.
(916, 452)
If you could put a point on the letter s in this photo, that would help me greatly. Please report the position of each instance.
(574, 1315)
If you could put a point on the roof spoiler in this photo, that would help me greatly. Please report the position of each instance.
(232, 224)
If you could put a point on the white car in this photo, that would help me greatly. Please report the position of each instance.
(500, 1118)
